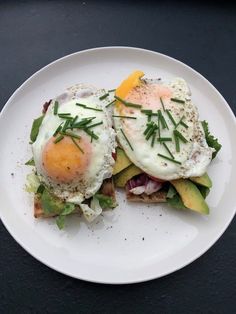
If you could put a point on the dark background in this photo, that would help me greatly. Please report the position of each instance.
(199, 33)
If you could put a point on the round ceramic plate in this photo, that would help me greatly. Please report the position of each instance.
(134, 242)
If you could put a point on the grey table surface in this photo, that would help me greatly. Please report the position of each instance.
(200, 33)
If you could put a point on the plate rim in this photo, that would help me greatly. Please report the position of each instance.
(150, 277)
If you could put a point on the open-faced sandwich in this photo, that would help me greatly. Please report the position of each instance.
(73, 144)
(164, 149)
(162, 155)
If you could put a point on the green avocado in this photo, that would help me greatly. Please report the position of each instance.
(122, 161)
(122, 177)
(204, 180)
(51, 204)
(190, 195)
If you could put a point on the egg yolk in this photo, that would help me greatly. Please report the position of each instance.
(64, 161)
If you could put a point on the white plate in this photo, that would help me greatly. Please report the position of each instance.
(134, 242)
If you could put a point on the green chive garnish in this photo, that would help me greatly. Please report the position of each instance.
(127, 104)
(159, 127)
(126, 139)
(180, 136)
(110, 103)
(164, 139)
(74, 141)
(162, 120)
(111, 90)
(153, 138)
(171, 118)
(149, 118)
(64, 114)
(58, 139)
(177, 147)
(151, 131)
(91, 133)
(146, 111)
(74, 120)
(55, 109)
(149, 125)
(179, 122)
(58, 130)
(93, 125)
(103, 96)
(178, 100)
(170, 159)
(163, 106)
(87, 107)
(167, 148)
(71, 134)
(126, 117)
(66, 124)
(184, 124)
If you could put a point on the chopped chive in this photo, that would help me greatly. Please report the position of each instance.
(103, 96)
(58, 139)
(164, 139)
(170, 116)
(93, 125)
(87, 107)
(127, 104)
(111, 90)
(162, 120)
(149, 118)
(64, 114)
(167, 148)
(111, 103)
(74, 120)
(71, 134)
(151, 131)
(126, 139)
(178, 100)
(149, 125)
(55, 109)
(177, 147)
(159, 127)
(146, 111)
(126, 117)
(170, 159)
(66, 124)
(74, 141)
(58, 130)
(184, 124)
(91, 133)
(180, 136)
(81, 105)
(163, 106)
(153, 139)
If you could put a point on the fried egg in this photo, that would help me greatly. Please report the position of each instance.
(74, 146)
(158, 126)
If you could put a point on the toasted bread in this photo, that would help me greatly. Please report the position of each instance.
(156, 197)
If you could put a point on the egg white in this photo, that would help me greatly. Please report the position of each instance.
(102, 163)
(194, 156)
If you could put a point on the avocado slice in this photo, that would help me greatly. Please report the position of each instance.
(122, 161)
(51, 204)
(190, 195)
(122, 177)
(204, 180)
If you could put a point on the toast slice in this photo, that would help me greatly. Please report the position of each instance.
(156, 197)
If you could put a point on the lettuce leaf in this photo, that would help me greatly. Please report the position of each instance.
(35, 128)
(30, 162)
(173, 198)
(105, 201)
(211, 140)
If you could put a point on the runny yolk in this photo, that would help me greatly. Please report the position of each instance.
(63, 161)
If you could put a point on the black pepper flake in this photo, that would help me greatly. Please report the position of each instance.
(12, 174)
(143, 238)
(125, 239)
